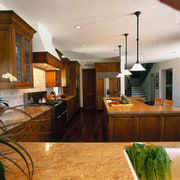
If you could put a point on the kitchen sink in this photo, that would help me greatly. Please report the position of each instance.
(174, 154)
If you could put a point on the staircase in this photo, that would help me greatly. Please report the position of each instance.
(137, 91)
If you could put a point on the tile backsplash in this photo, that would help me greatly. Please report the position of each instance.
(15, 96)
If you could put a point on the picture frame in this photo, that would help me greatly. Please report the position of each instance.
(156, 80)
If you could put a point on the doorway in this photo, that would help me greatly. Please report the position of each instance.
(169, 79)
(89, 88)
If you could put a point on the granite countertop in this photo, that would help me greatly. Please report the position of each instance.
(10, 117)
(137, 107)
(67, 98)
(78, 161)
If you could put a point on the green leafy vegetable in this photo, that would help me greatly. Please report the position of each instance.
(2, 173)
(151, 162)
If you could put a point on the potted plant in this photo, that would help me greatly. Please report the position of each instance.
(7, 140)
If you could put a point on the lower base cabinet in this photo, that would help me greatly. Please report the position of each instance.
(70, 108)
(73, 107)
(37, 129)
(143, 128)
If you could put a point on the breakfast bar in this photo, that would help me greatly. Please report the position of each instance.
(140, 122)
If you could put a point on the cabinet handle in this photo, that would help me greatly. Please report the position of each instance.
(64, 112)
(59, 116)
(19, 129)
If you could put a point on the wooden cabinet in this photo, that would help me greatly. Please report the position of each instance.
(113, 87)
(52, 66)
(73, 88)
(99, 92)
(122, 128)
(149, 128)
(20, 132)
(65, 73)
(53, 78)
(70, 108)
(171, 128)
(64, 69)
(15, 50)
(37, 129)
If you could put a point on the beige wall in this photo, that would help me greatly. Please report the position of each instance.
(15, 96)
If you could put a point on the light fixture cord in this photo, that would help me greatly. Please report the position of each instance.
(119, 58)
(137, 13)
(126, 49)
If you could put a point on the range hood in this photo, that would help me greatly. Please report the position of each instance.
(46, 61)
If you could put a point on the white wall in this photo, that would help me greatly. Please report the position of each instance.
(147, 84)
(175, 65)
(161, 67)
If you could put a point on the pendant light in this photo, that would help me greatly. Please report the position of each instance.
(126, 70)
(137, 66)
(120, 74)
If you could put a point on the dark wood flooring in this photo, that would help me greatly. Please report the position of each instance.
(86, 126)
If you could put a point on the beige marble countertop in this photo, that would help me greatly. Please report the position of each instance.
(137, 107)
(78, 161)
(11, 117)
(67, 98)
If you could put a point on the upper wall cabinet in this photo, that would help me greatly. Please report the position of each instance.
(64, 70)
(53, 78)
(15, 50)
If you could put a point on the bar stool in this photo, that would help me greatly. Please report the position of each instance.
(158, 101)
(168, 102)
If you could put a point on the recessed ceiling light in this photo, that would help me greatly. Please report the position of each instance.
(77, 27)
(84, 45)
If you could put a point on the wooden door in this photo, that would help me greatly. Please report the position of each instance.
(89, 88)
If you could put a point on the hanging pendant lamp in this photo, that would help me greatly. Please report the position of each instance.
(126, 70)
(120, 74)
(137, 66)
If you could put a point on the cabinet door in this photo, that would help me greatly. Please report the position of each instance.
(53, 78)
(122, 128)
(65, 75)
(58, 78)
(19, 132)
(100, 93)
(149, 128)
(50, 78)
(171, 128)
(113, 87)
(27, 62)
(23, 61)
(19, 63)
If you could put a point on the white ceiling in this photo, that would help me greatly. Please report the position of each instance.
(103, 23)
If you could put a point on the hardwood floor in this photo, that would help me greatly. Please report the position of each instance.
(86, 126)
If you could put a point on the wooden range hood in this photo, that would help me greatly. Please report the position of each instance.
(46, 61)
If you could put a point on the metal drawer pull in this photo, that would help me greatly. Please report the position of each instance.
(64, 112)
(59, 116)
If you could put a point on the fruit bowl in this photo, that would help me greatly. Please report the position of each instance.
(63, 95)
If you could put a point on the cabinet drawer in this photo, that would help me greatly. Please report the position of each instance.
(19, 132)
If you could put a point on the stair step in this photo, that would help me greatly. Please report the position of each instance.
(137, 91)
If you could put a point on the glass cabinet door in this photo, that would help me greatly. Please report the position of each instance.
(27, 61)
(18, 59)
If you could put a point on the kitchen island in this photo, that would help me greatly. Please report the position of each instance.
(78, 161)
(140, 122)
